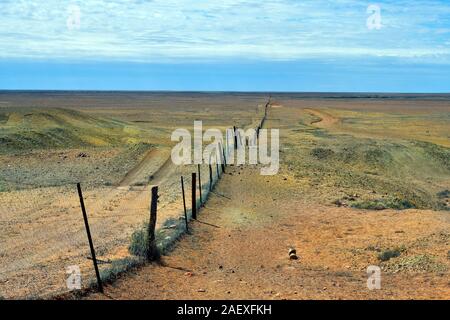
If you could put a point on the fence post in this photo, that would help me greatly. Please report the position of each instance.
(88, 232)
(194, 200)
(210, 174)
(152, 252)
(235, 137)
(217, 171)
(222, 156)
(184, 204)
(200, 185)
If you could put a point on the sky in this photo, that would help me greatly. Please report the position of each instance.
(226, 45)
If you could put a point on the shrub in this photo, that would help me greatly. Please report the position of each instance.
(417, 263)
(119, 267)
(388, 254)
(443, 194)
(381, 204)
(321, 153)
(139, 242)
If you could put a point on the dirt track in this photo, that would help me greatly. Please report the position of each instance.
(325, 121)
(239, 250)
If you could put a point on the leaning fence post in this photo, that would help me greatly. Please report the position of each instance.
(152, 252)
(217, 171)
(200, 185)
(88, 232)
(184, 204)
(222, 156)
(210, 174)
(194, 200)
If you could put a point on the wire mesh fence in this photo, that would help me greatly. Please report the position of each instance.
(45, 251)
(44, 248)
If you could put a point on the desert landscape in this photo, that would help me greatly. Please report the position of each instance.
(364, 180)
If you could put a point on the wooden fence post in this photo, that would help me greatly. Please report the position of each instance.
(184, 204)
(194, 200)
(200, 185)
(235, 137)
(222, 156)
(88, 232)
(217, 171)
(210, 174)
(152, 253)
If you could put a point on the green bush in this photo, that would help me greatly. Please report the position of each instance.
(443, 194)
(119, 267)
(381, 204)
(322, 153)
(139, 242)
(416, 263)
(388, 254)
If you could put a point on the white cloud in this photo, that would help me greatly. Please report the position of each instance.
(169, 30)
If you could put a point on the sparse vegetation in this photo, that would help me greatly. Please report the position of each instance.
(166, 236)
(139, 242)
(443, 194)
(386, 255)
(394, 173)
(321, 153)
(355, 161)
(37, 129)
(416, 263)
(119, 267)
(381, 204)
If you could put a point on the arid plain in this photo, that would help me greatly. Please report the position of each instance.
(364, 180)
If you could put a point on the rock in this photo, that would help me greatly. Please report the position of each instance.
(293, 256)
(82, 155)
(339, 203)
(292, 250)
(188, 274)
(201, 290)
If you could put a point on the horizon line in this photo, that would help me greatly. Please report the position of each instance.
(225, 91)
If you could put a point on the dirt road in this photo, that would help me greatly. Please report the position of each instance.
(239, 249)
(326, 120)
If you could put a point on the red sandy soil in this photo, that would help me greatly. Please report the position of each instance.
(238, 249)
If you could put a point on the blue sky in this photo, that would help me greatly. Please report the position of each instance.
(239, 45)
